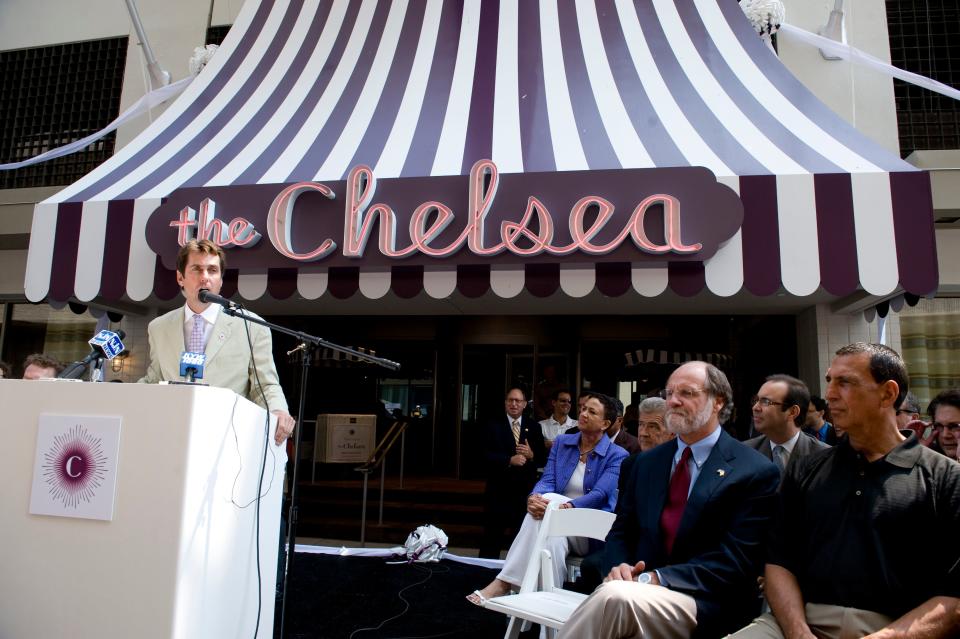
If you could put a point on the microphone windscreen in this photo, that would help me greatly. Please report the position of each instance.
(192, 361)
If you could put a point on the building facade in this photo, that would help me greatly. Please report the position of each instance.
(462, 331)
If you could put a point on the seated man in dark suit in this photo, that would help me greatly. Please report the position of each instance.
(840, 562)
(778, 412)
(685, 548)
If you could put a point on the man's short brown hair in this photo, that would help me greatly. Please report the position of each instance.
(43, 361)
(885, 365)
(204, 247)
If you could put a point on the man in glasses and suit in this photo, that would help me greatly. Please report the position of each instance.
(779, 411)
(514, 450)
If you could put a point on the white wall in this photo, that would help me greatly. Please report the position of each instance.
(863, 97)
(948, 257)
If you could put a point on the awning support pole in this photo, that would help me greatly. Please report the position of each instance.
(158, 77)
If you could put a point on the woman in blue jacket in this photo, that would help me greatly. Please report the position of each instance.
(581, 472)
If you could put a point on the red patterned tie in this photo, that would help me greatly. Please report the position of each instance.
(676, 501)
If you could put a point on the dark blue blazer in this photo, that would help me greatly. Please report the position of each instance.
(500, 445)
(718, 552)
(600, 479)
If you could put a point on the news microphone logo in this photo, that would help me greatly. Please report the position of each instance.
(108, 343)
(191, 365)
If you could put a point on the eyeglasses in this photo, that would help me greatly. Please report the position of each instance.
(766, 403)
(908, 411)
(950, 426)
(682, 393)
(514, 400)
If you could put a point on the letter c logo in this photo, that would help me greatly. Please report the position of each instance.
(70, 465)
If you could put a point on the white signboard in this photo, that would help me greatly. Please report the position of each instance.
(75, 469)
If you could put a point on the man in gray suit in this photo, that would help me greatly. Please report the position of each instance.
(779, 412)
(204, 328)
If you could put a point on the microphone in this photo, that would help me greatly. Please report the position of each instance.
(191, 365)
(206, 297)
(105, 344)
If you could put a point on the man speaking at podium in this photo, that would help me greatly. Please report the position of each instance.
(203, 328)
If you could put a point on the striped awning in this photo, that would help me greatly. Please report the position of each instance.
(306, 90)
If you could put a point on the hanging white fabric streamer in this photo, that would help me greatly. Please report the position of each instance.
(846, 52)
(144, 104)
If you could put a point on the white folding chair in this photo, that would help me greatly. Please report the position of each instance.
(540, 600)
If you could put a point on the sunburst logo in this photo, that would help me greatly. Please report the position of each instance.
(74, 467)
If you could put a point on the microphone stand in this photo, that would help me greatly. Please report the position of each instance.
(308, 343)
(96, 375)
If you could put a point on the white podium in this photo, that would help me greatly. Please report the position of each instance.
(178, 558)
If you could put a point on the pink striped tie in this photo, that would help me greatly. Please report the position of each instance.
(196, 335)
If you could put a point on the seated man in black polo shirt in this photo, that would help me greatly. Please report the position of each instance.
(840, 562)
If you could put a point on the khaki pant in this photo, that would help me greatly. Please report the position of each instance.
(629, 609)
(826, 622)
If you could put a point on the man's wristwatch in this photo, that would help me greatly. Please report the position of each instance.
(644, 578)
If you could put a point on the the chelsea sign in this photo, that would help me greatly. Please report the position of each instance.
(616, 215)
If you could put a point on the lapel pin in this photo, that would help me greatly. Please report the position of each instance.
(721, 472)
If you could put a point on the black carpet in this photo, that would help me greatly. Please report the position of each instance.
(338, 597)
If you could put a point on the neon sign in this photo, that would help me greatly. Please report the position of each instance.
(656, 215)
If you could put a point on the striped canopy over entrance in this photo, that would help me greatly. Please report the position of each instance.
(305, 90)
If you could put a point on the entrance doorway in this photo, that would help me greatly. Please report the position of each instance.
(487, 372)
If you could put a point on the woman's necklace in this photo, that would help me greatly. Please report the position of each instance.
(584, 453)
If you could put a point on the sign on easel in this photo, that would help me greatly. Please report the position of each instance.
(75, 468)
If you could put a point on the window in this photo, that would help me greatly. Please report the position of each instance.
(50, 96)
(215, 35)
(925, 39)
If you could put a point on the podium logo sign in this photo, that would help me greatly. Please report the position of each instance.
(75, 470)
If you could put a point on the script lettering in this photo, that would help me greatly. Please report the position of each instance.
(531, 235)
(280, 222)
(239, 232)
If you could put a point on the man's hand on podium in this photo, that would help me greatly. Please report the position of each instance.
(285, 424)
